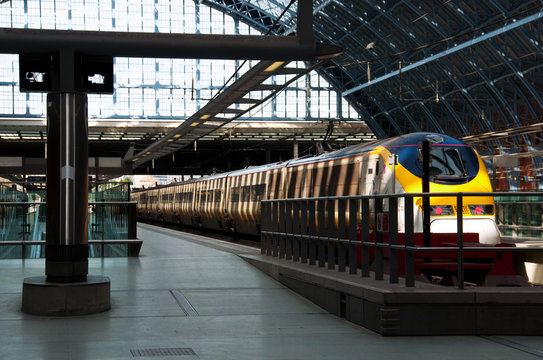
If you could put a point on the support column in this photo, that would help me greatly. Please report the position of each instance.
(67, 188)
(425, 147)
(67, 289)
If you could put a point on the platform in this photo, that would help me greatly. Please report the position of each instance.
(189, 297)
(426, 309)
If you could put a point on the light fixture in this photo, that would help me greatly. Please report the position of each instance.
(204, 117)
(371, 45)
(195, 124)
(274, 66)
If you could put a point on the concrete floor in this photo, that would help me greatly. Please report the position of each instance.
(192, 296)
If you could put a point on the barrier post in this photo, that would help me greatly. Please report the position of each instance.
(365, 236)
(296, 230)
(275, 224)
(303, 231)
(425, 150)
(269, 227)
(341, 234)
(352, 236)
(263, 227)
(409, 241)
(460, 234)
(289, 231)
(312, 227)
(321, 232)
(331, 226)
(282, 229)
(378, 240)
(393, 238)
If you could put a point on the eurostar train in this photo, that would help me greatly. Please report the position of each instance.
(231, 201)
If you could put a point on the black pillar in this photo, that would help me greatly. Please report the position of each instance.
(426, 189)
(67, 188)
(67, 289)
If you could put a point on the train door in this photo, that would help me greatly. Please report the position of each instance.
(176, 191)
(352, 177)
(370, 181)
(227, 203)
(303, 183)
(290, 180)
(367, 175)
(218, 201)
(275, 184)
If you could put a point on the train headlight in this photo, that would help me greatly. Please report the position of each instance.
(481, 209)
(441, 210)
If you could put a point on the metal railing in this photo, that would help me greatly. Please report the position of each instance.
(319, 231)
(520, 218)
(112, 229)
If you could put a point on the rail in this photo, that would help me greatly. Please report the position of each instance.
(132, 250)
(23, 223)
(330, 239)
(520, 218)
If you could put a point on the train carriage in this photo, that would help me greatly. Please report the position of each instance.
(231, 201)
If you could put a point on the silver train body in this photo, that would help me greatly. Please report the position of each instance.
(231, 201)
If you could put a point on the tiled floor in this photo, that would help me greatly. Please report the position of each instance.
(222, 309)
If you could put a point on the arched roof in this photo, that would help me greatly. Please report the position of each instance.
(458, 67)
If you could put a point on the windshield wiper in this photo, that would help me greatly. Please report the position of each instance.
(450, 178)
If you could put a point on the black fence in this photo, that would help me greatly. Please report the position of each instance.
(321, 232)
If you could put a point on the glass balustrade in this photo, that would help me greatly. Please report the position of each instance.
(111, 221)
(520, 218)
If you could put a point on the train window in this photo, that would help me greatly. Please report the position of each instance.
(171, 197)
(257, 192)
(164, 197)
(235, 194)
(246, 193)
(206, 195)
(177, 197)
(451, 163)
(446, 161)
(217, 196)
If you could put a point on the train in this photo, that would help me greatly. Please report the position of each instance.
(231, 201)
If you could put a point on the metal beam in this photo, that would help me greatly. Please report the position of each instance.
(159, 45)
(448, 52)
(205, 120)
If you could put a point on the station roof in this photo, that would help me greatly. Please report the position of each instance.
(471, 69)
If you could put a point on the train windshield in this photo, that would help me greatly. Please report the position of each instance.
(450, 163)
(446, 164)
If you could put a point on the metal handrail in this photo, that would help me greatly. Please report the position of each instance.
(403, 195)
(275, 234)
(5, 203)
(129, 242)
